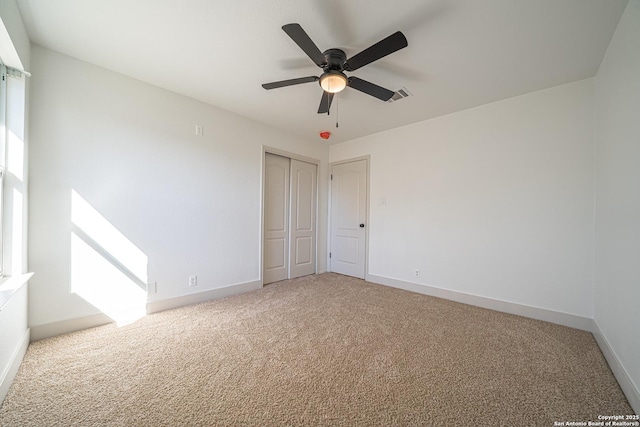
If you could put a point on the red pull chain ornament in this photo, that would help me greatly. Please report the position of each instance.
(325, 134)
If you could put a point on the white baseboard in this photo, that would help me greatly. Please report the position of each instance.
(48, 330)
(16, 359)
(226, 291)
(557, 317)
(626, 383)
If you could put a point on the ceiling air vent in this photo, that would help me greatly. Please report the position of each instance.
(400, 93)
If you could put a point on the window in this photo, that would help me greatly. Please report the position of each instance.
(3, 151)
(12, 172)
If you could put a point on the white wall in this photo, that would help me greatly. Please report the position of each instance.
(190, 204)
(617, 237)
(494, 201)
(14, 332)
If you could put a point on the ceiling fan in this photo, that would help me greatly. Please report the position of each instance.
(334, 63)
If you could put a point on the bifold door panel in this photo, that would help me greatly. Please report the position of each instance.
(289, 218)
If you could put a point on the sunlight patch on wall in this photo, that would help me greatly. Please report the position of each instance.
(107, 269)
(86, 218)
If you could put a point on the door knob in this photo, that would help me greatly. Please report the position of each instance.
(361, 225)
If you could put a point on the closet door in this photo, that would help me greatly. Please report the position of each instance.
(302, 253)
(276, 218)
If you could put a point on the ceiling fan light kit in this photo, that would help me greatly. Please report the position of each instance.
(333, 81)
(334, 63)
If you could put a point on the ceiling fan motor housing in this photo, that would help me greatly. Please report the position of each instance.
(335, 59)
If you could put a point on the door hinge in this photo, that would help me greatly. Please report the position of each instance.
(331, 177)
(329, 254)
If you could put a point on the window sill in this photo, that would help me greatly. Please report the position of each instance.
(9, 286)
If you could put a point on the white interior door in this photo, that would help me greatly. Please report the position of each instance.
(348, 216)
(302, 259)
(276, 218)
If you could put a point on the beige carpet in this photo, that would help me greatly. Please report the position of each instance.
(320, 350)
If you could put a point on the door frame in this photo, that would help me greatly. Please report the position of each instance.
(367, 159)
(278, 152)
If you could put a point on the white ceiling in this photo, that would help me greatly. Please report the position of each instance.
(461, 53)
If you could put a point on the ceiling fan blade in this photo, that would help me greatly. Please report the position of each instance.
(290, 82)
(325, 103)
(301, 38)
(370, 88)
(384, 47)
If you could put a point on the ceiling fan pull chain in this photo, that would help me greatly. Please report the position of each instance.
(337, 109)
